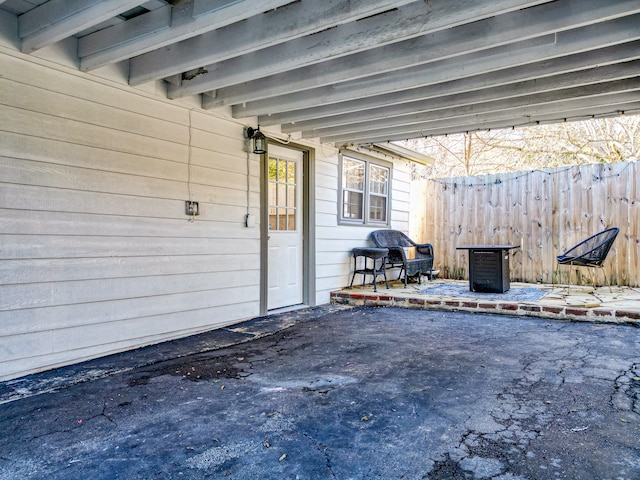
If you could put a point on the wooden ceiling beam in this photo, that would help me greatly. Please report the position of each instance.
(521, 53)
(407, 22)
(502, 117)
(524, 101)
(259, 31)
(539, 85)
(339, 112)
(560, 115)
(553, 18)
(351, 70)
(55, 20)
(165, 26)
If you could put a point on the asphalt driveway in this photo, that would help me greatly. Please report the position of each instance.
(332, 393)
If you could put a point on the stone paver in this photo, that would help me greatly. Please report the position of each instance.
(620, 305)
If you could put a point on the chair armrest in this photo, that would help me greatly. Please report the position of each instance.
(564, 258)
(425, 249)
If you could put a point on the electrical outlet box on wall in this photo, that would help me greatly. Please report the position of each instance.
(191, 208)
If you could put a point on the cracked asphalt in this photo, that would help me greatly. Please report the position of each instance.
(340, 393)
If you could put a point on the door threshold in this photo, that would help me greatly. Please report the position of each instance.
(290, 308)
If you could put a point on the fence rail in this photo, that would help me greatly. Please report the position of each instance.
(545, 212)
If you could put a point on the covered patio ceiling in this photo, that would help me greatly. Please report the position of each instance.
(362, 71)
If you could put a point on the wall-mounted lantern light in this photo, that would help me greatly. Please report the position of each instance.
(259, 140)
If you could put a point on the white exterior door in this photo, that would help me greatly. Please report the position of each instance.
(285, 274)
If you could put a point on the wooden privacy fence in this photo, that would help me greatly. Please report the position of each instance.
(544, 211)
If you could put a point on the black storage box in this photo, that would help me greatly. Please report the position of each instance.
(489, 271)
(489, 267)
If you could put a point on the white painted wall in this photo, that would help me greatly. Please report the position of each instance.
(97, 255)
(334, 242)
(96, 252)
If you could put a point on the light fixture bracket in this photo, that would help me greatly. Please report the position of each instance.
(258, 138)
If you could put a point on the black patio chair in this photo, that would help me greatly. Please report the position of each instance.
(591, 253)
(414, 259)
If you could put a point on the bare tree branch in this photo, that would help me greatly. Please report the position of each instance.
(604, 140)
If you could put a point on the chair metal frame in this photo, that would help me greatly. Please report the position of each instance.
(591, 253)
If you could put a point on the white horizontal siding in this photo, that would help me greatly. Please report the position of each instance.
(28, 271)
(326, 181)
(60, 80)
(334, 242)
(75, 131)
(326, 219)
(128, 334)
(96, 252)
(51, 294)
(328, 207)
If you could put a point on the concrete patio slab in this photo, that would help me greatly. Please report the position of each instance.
(342, 393)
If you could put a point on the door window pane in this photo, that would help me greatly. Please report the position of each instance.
(291, 172)
(282, 194)
(291, 196)
(291, 219)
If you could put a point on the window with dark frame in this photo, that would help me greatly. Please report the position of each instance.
(364, 197)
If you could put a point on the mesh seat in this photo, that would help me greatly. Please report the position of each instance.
(591, 252)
